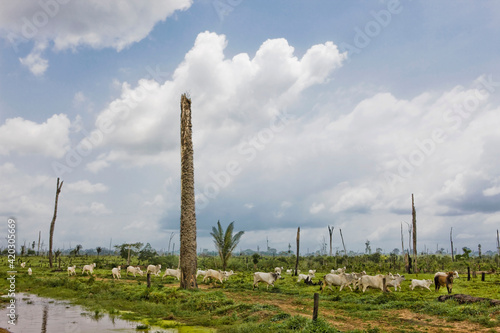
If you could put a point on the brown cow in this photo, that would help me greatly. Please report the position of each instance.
(444, 280)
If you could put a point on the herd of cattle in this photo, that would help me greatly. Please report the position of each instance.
(337, 277)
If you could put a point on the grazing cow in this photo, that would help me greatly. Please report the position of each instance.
(338, 270)
(421, 284)
(455, 274)
(312, 272)
(396, 282)
(217, 275)
(116, 272)
(89, 269)
(134, 270)
(444, 280)
(338, 280)
(200, 272)
(305, 277)
(154, 269)
(172, 272)
(23, 264)
(268, 278)
(30, 271)
(288, 271)
(376, 281)
(72, 270)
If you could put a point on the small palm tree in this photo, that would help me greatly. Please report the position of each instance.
(99, 250)
(77, 249)
(225, 242)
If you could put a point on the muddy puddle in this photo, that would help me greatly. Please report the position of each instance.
(44, 315)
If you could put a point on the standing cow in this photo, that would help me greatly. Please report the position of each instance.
(444, 280)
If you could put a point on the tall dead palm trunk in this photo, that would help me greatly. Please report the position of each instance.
(414, 219)
(53, 223)
(188, 259)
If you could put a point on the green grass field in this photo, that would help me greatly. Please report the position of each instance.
(236, 307)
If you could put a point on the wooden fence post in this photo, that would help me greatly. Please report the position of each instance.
(149, 280)
(468, 273)
(316, 305)
(483, 274)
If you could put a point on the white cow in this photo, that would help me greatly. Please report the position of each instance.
(278, 269)
(268, 278)
(212, 273)
(396, 282)
(288, 271)
(134, 270)
(200, 272)
(30, 271)
(307, 277)
(172, 272)
(373, 281)
(154, 269)
(228, 274)
(338, 270)
(339, 280)
(116, 272)
(421, 284)
(455, 274)
(72, 270)
(89, 269)
(23, 264)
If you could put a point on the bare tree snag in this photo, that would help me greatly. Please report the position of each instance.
(343, 244)
(403, 253)
(53, 223)
(451, 241)
(414, 218)
(330, 231)
(188, 258)
(298, 244)
(498, 243)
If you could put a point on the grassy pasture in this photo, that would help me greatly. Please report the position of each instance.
(236, 307)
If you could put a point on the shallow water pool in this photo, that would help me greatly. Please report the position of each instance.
(44, 315)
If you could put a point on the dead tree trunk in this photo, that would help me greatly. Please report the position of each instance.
(451, 241)
(414, 215)
(462, 298)
(343, 244)
(53, 223)
(405, 257)
(330, 231)
(187, 256)
(298, 244)
(498, 243)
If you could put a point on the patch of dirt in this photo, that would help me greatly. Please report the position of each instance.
(393, 321)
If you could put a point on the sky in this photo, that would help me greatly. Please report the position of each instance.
(305, 114)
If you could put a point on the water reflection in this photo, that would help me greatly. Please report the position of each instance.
(44, 318)
(37, 314)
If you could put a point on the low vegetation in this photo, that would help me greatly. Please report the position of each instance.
(235, 307)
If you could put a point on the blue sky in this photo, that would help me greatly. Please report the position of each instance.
(305, 113)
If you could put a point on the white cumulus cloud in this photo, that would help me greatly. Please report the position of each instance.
(21, 136)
